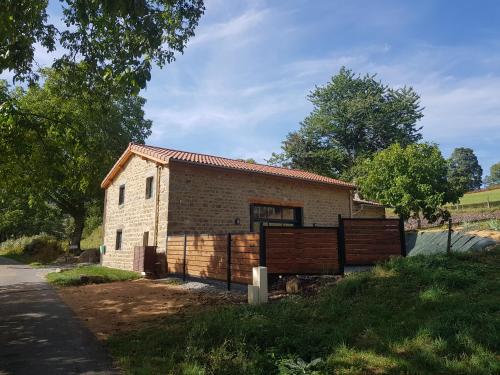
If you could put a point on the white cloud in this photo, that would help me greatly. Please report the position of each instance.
(232, 28)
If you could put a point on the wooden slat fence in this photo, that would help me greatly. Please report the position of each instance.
(310, 250)
(371, 240)
(219, 256)
(285, 250)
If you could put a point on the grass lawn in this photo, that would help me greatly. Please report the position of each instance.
(417, 315)
(481, 197)
(72, 277)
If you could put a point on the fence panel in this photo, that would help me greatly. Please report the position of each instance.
(370, 240)
(206, 256)
(311, 250)
(244, 256)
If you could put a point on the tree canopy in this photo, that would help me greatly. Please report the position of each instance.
(464, 170)
(494, 176)
(412, 180)
(60, 139)
(118, 40)
(353, 117)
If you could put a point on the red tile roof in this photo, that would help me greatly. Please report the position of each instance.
(164, 155)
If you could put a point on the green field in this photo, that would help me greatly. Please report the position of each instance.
(481, 197)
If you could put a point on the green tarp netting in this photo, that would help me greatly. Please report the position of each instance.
(427, 243)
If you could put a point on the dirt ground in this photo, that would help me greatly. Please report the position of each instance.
(124, 306)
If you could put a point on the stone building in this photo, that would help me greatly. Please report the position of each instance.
(362, 208)
(153, 192)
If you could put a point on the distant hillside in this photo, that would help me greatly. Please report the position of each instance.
(481, 197)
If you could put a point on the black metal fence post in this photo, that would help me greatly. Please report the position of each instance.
(184, 261)
(341, 245)
(262, 246)
(402, 237)
(229, 261)
(448, 244)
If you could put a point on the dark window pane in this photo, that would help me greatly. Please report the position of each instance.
(288, 213)
(121, 195)
(149, 187)
(274, 213)
(118, 245)
(260, 212)
(274, 216)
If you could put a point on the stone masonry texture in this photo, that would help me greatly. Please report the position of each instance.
(137, 214)
(202, 199)
(207, 199)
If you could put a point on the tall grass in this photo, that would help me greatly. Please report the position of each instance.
(41, 248)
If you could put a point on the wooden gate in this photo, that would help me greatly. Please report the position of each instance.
(144, 259)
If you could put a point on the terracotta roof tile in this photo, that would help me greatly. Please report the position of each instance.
(166, 155)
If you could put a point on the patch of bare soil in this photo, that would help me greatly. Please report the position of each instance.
(124, 306)
(495, 234)
(303, 285)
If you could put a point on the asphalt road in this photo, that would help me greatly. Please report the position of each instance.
(38, 333)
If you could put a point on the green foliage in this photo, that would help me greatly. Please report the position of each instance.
(20, 217)
(412, 180)
(93, 239)
(71, 277)
(59, 140)
(22, 24)
(464, 170)
(119, 40)
(494, 224)
(494, 177)
(249, 160)
(353, 117)
(419, 315)
(41, 248)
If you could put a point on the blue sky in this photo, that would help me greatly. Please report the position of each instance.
(242, 82)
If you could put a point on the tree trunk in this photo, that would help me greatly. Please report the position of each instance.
(76, 236)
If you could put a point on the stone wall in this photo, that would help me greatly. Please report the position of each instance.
(362, 210)
(207, 199)
(137, 214)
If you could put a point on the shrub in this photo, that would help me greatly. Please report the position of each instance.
(41, 248)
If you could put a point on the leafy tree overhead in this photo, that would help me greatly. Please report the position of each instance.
(119, 40)
(412, 180)
(464, 170)
(494, 177)
(21, 216)
(60, 139)
(353, 117)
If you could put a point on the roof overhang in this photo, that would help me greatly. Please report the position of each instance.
(120, 163)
